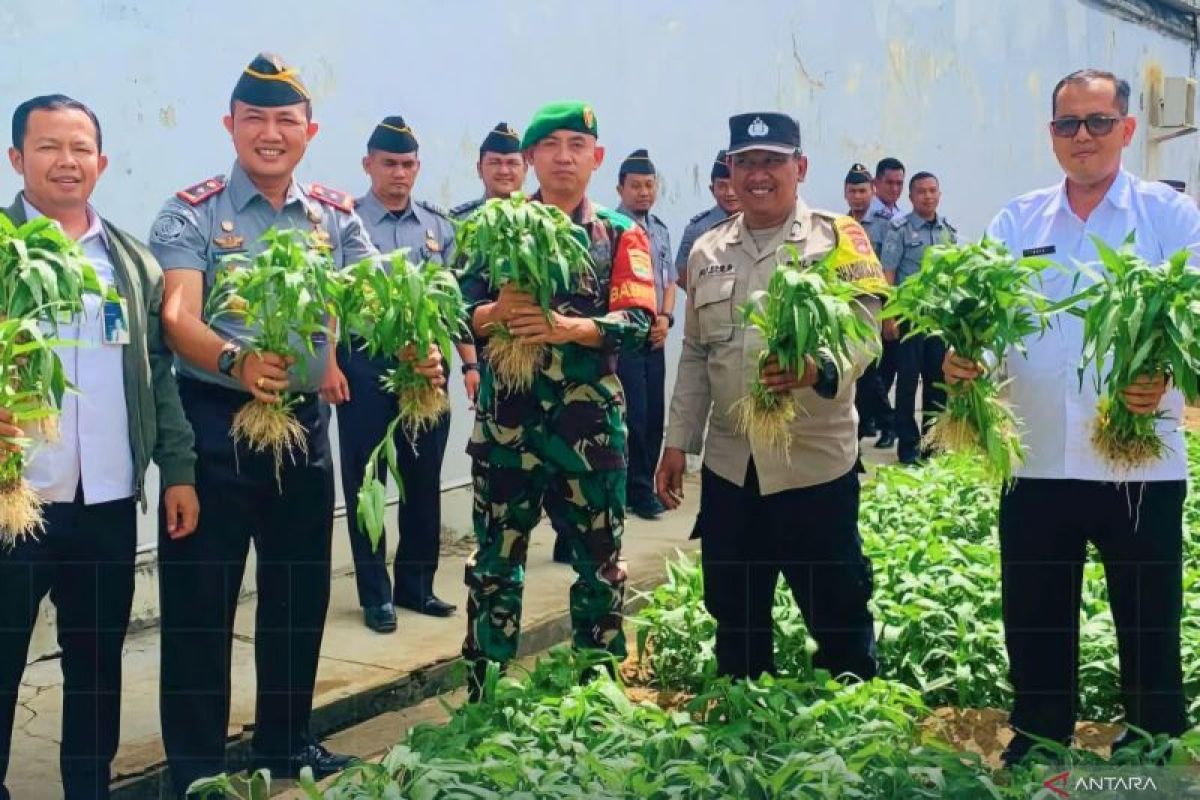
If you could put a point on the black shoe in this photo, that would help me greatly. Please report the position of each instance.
(381, 619)
(1025, 749)
(649, 509)
(322, 762)
(432, 606)
(886, 440)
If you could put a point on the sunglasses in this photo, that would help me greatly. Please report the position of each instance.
(1097, 125)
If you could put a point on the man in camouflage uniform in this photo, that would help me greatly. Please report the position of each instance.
(561, 444)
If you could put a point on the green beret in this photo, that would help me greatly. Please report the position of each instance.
(270, 83)
(393, 136)
(570, 115)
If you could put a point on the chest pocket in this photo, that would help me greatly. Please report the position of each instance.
(714, 309)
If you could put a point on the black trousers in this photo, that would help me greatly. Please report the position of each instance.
(200, 577)
(809, 535)
(84, 559)
(644, 379)
(871, 401)
(1045, 526)
(887, 365)
(919, 359)
(362, 424)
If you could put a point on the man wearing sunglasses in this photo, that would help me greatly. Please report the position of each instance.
(1065, 495)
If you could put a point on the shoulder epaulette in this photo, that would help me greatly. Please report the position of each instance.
(465, 208)
(433, 209)
(340, 200)
(700, 216)
(195, 195)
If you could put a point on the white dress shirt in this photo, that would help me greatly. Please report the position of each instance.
(1056, 412)
(93, 447)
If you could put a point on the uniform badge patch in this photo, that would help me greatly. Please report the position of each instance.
(167, 228)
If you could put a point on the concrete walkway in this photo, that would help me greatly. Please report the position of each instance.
(362, 674)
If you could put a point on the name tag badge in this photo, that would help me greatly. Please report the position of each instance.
(1039, 251)
(116, 322)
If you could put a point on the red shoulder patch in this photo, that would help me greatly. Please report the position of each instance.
(340, 200)
(633, 274)
(195, 195)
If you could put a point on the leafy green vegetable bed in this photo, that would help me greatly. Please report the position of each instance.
(931, 536)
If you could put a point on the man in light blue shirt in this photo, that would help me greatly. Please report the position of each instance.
(395, 220)
(1065, 494)
(918, 358)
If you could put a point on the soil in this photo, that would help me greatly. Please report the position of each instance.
(985, 731)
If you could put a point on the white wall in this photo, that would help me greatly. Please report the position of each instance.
(958, 88)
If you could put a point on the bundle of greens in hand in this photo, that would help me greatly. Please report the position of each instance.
(536, 249)
(805, 313)
(43, 278)
(981, 301)
(285, 295)
(409, 311)
(1140, 322)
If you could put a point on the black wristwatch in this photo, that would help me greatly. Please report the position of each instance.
(470, 368)
(670, 318)
(228, 359)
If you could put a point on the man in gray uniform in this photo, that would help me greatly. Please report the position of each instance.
(919, 358)
(289, 517)
(395, 220)
(501, 167)
(727, 205)
(644, 374)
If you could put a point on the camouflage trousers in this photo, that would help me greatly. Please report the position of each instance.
(508, 504)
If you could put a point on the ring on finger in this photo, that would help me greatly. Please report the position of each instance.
(259, 383)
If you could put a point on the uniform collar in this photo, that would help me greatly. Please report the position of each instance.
(646, 219)
(242, 190)
(584, 213)
(95, 224)
(1119, 195)
(916, 221)
(801, 224)
(373, 211)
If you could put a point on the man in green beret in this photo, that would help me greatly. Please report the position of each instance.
(287, 511)
(561, 444)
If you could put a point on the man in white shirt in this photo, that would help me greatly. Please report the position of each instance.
(1065, 495)
(126, 413)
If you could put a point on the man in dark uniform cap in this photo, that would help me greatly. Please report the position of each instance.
(870, 397)
(289, 517)
(727, 204)
(395, 220)
(643, 374)
(501, 167)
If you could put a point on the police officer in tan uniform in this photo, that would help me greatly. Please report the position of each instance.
(764, 512)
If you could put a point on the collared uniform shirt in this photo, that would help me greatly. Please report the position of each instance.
(720, 357)
(877, 222)
(660, 250)
(232, 221)
(92, 451)
(907, 239)
(1056, 411)
(887, 212)
(426, 231)
(697, 226)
